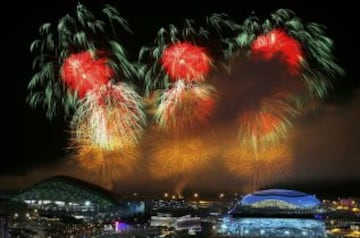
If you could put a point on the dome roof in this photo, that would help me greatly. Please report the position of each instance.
(273, 197)
(67, 189)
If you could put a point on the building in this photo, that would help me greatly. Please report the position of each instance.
(3, 218)
(280, 198)
(281, 202)
(186, 223)
(275, 213)
(66, 194)
(63, 206)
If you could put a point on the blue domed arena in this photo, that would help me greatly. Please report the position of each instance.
(275, 213)
(280, 198)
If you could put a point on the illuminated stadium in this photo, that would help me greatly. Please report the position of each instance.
(68, 194)
(279, 202)
(280, 198)
(275, 213)
(63, 206)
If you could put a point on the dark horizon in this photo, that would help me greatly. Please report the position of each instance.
(330, 189)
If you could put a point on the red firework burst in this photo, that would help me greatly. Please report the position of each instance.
(82, 72)
(185, 107)
(260, 124)
(186, 61)
(279, 43)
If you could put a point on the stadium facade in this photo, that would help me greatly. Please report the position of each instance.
(61, 193)
(280, 198)
(64, 206)
(275, 213)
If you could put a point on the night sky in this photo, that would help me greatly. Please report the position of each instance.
(327, 151)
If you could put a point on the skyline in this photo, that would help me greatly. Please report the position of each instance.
(325, 141)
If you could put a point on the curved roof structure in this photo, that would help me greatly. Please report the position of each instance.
(280, 198)
(68, 190)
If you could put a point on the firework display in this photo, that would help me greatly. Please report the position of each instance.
(186, 62)
(182, 52)
(259, 166)
(185, 107)
(105, 165)
(181, 156)
(304, 47)
(73, 56)
(110, 117)
(278, 43)
(267, 124)
(219, 90)
(82, 72)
